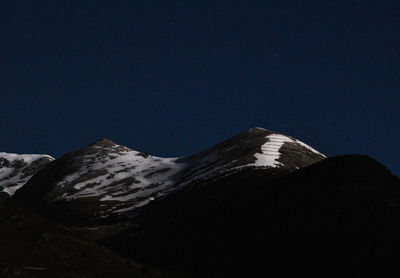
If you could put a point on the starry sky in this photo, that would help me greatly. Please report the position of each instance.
(172, 78)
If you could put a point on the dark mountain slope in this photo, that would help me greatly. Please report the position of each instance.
(32, 246)
(338, 217)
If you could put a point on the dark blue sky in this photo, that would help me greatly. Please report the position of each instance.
(174, 78)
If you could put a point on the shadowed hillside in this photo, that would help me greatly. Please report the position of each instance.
(337, 217)
(32, 246)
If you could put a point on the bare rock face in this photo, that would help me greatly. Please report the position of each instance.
(17, 169)
(106, 181)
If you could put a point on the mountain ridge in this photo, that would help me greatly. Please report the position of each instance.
(106, 179)
(259, 202)
(17, 169)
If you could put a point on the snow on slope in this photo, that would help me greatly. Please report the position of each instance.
(120, 178)
(130, 172)
(17, 169)
(256, 147)
(106, 178)
(270, 154)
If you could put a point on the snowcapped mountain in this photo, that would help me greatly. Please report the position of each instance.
(106, 179)
(217, 213)
(17, 169)
(256, 147)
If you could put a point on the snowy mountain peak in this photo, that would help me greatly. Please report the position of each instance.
(105, 178)
(16, 169)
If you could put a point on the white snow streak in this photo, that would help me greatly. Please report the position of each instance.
(270, 154)
(270, 151)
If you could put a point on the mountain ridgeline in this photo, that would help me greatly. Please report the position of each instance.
(106, 181)
(258, 204)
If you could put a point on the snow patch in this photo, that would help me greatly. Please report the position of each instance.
(13, 177)
(270, 154)
(126, 176)
(270, 151)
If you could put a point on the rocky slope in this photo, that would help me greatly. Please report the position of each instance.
(106, 181)
(17, 169)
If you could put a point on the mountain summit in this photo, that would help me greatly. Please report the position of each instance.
(256, 147)
(106, 179)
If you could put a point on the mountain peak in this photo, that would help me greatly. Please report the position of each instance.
(103, 142)
(256, 131)
(253, 129)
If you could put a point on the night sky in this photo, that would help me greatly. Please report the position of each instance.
(174, 78)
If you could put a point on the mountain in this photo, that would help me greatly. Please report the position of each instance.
(336, 218)
(254, 148)
(260, 204)
(17, 169)
(106, 181)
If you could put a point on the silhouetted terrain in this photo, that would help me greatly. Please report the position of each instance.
(32, 246)
(337, 217)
